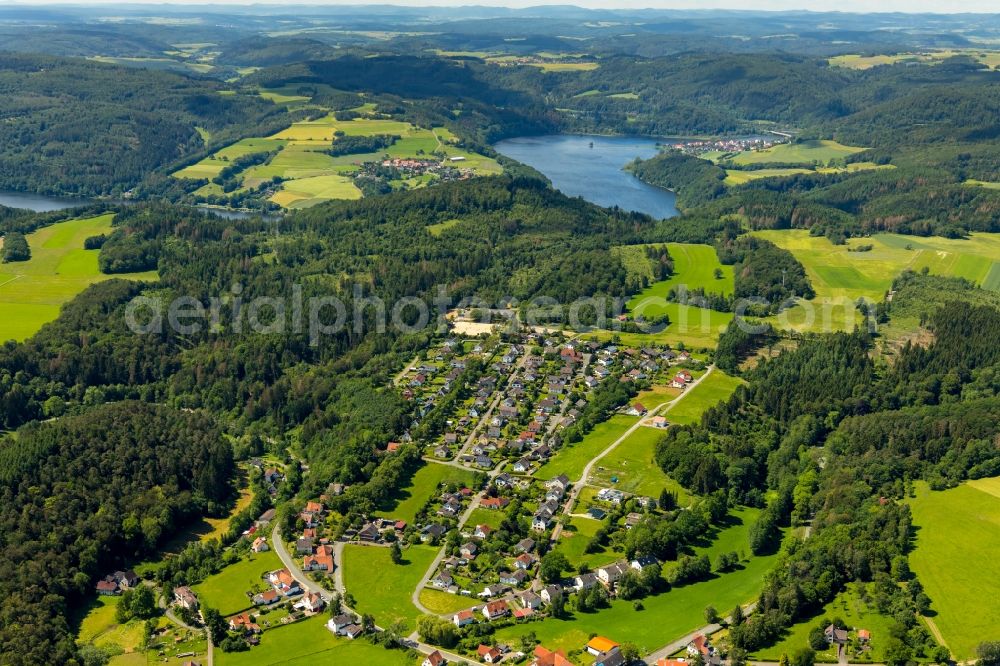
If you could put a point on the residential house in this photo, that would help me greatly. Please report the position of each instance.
(107, 586)
(585, 581)
(310, 603)
(304, 546)
(546, 657)
(864, 636)
(433, 531)
(338, 623)
(443, 580)
(637, 409)
(489, 655)
(434, 659)
(242, 623)
(641, 563)
(494, 503)
(266, 598)
(126, 579)
(369, 533)
(522, 466)
(659, 422)
(482, 531)
(469, 550)
(530, 600)
(266, 517)
(496, 609)
(611, 574)
(612, 657)
(462, 618)
(835, 635)
(284, 582)
(185, 597)
(632, 519)
(353, 631)
(561, 481)
(524, 546)
(260, 545)
(514, 577)
(550, 593)
(524, 561)
(700, 645)
(599, 645)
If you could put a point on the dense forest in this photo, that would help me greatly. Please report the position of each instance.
(86, 494)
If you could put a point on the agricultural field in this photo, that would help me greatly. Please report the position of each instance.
(738, 177)
(663, 617)
(840, 277)
(955, 555)
(32, 292)
(310, 642)
(712, 390)
(822, 152)
(226, 590)
(571, 459)
(312, 176)
(990, 59)
(425, 484)
(849, 606)
(382, 588)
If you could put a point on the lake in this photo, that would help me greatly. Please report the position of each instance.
(39, 203)
(595, 173)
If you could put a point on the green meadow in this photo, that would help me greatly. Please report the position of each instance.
(310, 642)
(382, 588)
(955, 558)
(98, 627)
(630, 467)
(694, 268)
(441, 603)
(573, 544)
(226, 590)
(425, 484)
(570, 459)
(805, 152)
(714, 389)
(839, 277)
(32, 292)
(665, 616)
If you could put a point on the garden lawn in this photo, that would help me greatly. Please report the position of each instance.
(713, 389)
(573, 544)
(99, 627)
(310, 642)
(226, 590)
(955, 558)
(32, 292)
(382, 588)
(570, 459)
(444, 602)
(425, 484)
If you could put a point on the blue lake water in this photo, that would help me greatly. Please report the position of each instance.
(592, 167)
(39, 203)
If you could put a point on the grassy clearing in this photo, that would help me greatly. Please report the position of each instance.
(694, 268)
(226, 590)
(310, 642)
(737, 177)
(633, 466)
(31, 292)
(990, 59)
(849, 607)
(425, 484)
(958, 538)
(382, 588)
(99, 627)
(489, 517)
(571, 459)
(664, 617)
(437, 229)
(573, 544)
(566, 66)
(840, 277)
(712, 390)
(440, 602)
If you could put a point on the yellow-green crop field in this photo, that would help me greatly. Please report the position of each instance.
(839, 277)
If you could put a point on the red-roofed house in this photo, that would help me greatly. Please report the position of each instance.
(495, 609)
(489, 655)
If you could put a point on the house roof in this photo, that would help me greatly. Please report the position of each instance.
(434, 659)
(601, 644)
(546, 657)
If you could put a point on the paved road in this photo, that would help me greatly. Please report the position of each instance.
(278, 545)
(582, 481)
(709, 629)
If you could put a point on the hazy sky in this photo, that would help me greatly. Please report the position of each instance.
(937, 6)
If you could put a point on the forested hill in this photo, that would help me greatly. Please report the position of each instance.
(74, 126)
(86, 494)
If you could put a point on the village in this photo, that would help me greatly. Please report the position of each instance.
(502, 407)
